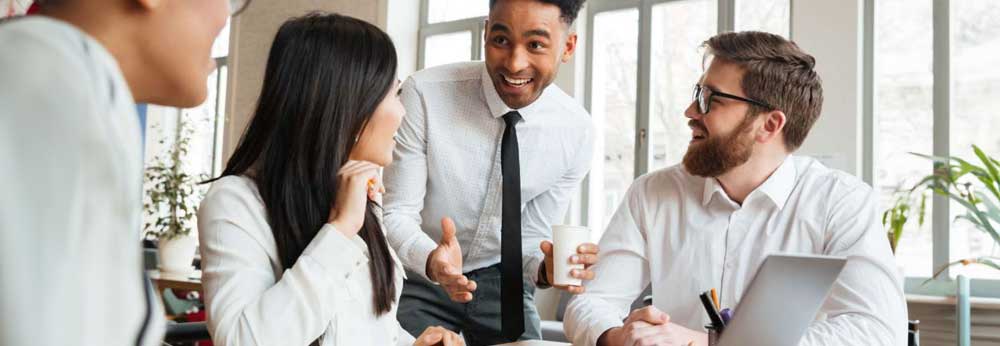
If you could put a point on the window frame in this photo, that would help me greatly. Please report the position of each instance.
(473, 25)
(726, 22)
(941, 206)
(726, 19)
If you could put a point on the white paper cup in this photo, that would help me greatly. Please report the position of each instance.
(566, 239)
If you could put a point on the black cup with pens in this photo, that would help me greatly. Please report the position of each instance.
(710, 300)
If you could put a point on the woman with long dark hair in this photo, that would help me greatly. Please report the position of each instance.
(293, 251)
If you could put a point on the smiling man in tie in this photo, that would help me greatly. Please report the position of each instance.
(501, 150)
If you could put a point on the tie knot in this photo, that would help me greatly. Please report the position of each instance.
(511, 118)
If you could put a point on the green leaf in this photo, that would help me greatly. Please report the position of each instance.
(970, 218)
(992, 211)
(923, 209)
(937, 159)
(994, 175)
(989, 261)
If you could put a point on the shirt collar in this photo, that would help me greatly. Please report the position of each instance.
(777, 187)
(712, 186)
(496, 105)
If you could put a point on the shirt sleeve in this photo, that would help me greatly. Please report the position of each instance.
(247, 304)
(405, 339)
(542, 211)
(56, 162)
(406, 185)
(867, 305)
(620, 276)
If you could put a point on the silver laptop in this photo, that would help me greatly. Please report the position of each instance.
(782, 300)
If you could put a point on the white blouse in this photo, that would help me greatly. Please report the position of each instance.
(251, 300)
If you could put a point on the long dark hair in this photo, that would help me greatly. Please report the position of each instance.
(326, 74)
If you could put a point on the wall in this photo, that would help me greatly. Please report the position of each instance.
(831, 32)
(251, 35)
(402, 22)
(937, 323)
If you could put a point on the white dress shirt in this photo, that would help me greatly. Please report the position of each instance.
(251, 300)
(447, 163)
(71, 208)
(684, 235)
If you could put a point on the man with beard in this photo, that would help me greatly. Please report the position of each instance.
(740, 195)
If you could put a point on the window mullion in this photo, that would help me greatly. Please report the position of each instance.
(477, 40)
(644, 73)
(727, 15)
(942, 117)
(869, 118)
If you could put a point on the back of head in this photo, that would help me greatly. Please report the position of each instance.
(777, 72)
(325, 76)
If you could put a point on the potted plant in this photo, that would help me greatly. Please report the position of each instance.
(171, 205)
(974, 186)
(894, 219)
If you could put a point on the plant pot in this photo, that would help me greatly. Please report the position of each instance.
(177, 255)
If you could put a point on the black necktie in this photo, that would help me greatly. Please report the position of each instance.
(511, 292)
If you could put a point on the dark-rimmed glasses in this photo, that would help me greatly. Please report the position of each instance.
(703, 98)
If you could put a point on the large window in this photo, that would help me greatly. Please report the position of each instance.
(615, 46)
(439, 11)
(645, 58)
(975, 78)
(451, 31)
(903, 103)
(935, 82)
(680, 28)
(447, 48)
(205, 123)
(763, 15)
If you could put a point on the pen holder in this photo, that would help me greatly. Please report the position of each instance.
(713, 335)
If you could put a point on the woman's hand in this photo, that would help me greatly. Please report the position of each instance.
(433, 336)
(359, 181)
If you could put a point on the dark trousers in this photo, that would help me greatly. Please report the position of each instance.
(424, 304)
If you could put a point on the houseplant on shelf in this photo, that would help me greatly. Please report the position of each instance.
(171, 205)
(974, 186)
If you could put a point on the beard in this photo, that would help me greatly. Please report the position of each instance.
(716, 155)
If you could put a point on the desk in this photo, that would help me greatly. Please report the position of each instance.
(163, 281)
(536, 343)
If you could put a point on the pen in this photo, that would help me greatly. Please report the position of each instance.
(715, 299)
(713, 314)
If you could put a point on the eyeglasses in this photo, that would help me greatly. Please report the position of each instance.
(704, 102)
(237, 6)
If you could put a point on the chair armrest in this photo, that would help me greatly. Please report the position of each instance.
(553, 331)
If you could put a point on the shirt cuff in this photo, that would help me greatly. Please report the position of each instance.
(404, 338)
(415, 253)
(335, 253)
(599, 327)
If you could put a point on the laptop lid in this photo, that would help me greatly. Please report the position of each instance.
(782, 300)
